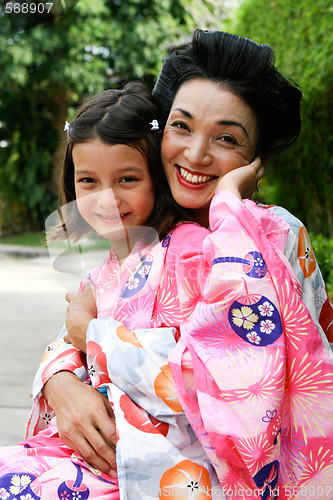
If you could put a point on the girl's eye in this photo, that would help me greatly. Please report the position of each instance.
(128, 179)
(87, 180)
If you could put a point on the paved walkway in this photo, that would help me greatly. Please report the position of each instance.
(32, 311)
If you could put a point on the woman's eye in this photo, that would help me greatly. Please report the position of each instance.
(228, 139)
(180, 125)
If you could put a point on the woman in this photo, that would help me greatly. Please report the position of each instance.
(224, 97)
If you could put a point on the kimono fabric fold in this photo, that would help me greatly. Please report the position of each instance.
(158, 454)
(243, 408)
(260, 393)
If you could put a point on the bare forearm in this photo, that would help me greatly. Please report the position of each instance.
(85, 419)
(57, 386)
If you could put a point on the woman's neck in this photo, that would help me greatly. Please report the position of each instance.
(201, 216)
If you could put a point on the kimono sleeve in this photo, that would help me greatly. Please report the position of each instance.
(246, 332)
(300, 254)
(58, 356)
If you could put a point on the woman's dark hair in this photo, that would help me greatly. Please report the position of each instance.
(247, 69)
(118, 117)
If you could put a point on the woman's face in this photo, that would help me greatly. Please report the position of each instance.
(209, 132)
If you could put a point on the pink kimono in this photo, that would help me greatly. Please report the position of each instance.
(252, 369)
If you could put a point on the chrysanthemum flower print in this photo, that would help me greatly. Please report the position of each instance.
(254, 338)
(3, 494)
(244, 317)
(19, 483)
(266, 309)
(267, 326)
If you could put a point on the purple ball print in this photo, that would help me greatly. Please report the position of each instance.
(68, 490)
(253, 264)
(255, 319)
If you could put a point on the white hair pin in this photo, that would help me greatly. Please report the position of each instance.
(67, 124)
(154, 125)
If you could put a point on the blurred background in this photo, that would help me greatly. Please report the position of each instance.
(50, 60)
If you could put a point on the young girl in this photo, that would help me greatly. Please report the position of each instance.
(111, 176)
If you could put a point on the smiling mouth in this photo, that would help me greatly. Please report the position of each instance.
(112, 217)
(194, 178)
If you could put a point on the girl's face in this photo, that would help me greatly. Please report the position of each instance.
(209, 132)
(113, 186)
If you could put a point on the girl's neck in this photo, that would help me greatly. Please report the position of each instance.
(123, 246)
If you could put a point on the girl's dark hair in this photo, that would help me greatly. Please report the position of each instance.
(247, 69)
(118, 117)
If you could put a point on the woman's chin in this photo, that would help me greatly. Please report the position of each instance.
(193, 201)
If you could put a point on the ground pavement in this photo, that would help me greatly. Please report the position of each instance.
(32, 311)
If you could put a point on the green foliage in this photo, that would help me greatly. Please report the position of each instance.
(301, 35)
(36, 239)
(44, 73)
(323, 249)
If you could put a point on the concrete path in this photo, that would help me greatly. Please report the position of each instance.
(32, 311)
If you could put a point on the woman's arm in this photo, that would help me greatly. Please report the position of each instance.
(85, 420)
(80, 311)
(242, 181)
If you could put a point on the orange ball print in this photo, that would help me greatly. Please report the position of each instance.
(306, 256)
(51, 349)
(186, 480)
(126, 336)
(165, 389)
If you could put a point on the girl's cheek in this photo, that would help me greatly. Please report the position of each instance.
(82, 206)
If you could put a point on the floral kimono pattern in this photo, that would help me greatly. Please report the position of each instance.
(252, 370)
(251, 354)
(158, 454)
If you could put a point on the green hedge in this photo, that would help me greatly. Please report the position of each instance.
(300, 32)
(323, 249)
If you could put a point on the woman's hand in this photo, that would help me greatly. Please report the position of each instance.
(242, 181)
(85, 420)
(81, 310)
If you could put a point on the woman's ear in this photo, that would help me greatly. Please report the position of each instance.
(265, 159)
